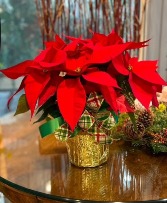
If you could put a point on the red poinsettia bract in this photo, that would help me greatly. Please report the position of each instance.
(144, 80)
(66, 71)
(143, 77)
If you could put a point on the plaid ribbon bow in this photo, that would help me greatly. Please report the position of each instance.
(96, 123)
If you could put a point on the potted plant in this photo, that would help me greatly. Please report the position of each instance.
(81, 87)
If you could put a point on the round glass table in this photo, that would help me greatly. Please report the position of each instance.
(30, 168)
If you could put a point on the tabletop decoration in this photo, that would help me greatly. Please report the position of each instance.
(151, 132)
(82, 87)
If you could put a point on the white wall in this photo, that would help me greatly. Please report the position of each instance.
(155, 28)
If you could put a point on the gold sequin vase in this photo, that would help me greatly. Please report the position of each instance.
(83, 151)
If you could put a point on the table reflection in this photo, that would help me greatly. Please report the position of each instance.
(129, 175)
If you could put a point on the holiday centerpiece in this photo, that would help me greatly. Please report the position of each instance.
(81, 87)
(151, 126)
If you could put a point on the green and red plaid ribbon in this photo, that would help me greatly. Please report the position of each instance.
(94, 102)
(94, 122)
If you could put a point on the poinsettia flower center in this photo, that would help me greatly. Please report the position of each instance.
(130, 68)
(78, 70)
(45, 70)
(62, 74)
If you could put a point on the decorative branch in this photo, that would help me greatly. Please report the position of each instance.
(76, 17)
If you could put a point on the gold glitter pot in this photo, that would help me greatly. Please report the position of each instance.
(83, 151)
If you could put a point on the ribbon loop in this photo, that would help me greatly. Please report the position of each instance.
(86, 121)
(107, 123)
(94, 101)
(63, 132)
(50, 127)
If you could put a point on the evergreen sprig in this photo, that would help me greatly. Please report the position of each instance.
(155, 136)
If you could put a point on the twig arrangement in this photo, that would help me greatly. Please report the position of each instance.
(77, 18)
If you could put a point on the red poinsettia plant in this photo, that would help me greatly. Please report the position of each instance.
(59, 80)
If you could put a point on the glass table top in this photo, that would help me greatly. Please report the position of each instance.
(42, 168)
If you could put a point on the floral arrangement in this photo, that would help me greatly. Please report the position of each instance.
(85, 84)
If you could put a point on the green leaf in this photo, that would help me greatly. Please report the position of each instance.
(158, 148)
(42, 117)
(48, 104)
(115, 116)
(76, 131)
(22, 105)
(54, 113)
(104, 106)
(133, 119)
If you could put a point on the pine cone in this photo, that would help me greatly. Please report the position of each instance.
(133, 133)
(146, 118)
